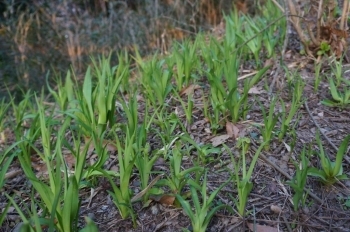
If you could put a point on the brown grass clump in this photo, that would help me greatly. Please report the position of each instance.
(51, 35)
(317, 27)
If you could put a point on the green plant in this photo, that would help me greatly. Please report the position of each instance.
(4, 213)
(337, 69)
(104, 94)
(237, 103)
(22, 108)
(202, 213)
(340, 99)
(97, 99)
(156, 79)
(168, 123)
(293, 108)
(243, 184)
(59, 196)
(203, 150)
(252, 34)
(186, 61)
(345, 201)
(217, 99)
(318, 65)
(212, 54)
(299, 180)
(274, 33)
(270, 121)
(64, 93)
(331, 172)
(324, 48)
(126, 159)
(178, 178)
(132, 150)
(123, 70)
(144, 158)
(234, 24)
(3, 111)
(188, 108)
(6, 159)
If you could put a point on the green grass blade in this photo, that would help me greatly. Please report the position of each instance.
(340, 154)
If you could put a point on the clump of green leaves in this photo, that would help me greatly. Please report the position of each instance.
(330, 171)
(324, 48)
(318, 65)
(59, 194)
(270, 120)
(155, 78)
(340, 98)
(186, 60)
(202, 212)
(286, 118)
(299, 180)
(178, 178)
(241, 177)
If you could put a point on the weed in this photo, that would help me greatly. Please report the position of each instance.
(202, 213)
(340, 99)
(243, 184)
(331, 172)
(299, 180)
(270, 121)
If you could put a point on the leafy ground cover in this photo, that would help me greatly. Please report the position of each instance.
(222, 134)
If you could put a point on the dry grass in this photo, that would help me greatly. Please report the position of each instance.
(54, 36)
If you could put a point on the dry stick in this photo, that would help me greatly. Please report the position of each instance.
(324, 135)
(12, 174)
(344, 16)
(283, 51)
(319, 18)
(295, 19)
(286, 174)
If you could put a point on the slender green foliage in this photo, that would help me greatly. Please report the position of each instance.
(202, 212)
(178, 178)
(243, 184)
(299, 180)
(340, 98)
(297, 101)
(270, 121)
(330, 171)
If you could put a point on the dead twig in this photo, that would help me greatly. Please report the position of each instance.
(284, 48)
(319, 200)
(319, 129)
(344, 16)
(12, 174)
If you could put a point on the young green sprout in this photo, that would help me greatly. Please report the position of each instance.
(331, 171)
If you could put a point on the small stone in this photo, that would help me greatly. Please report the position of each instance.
(276, 209)
(91, 216)
(154, 210)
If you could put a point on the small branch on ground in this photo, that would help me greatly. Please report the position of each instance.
(324, 135)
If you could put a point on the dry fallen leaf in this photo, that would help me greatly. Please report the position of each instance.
(287, 147)
(218, 140)
(166, 199)
(261, 228)
(70, 160)
(189, 90)
(109, 145)
(255, 90)
(232, 130)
